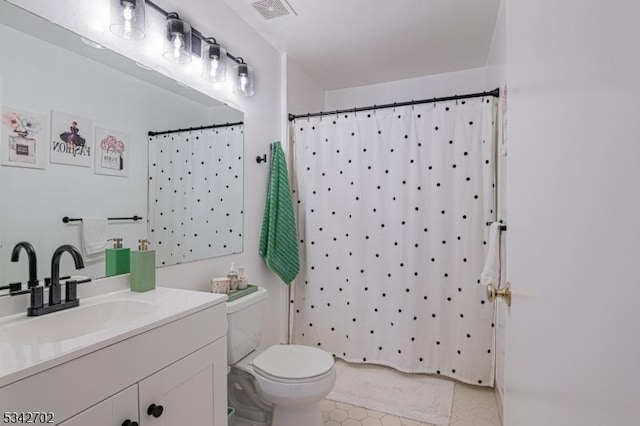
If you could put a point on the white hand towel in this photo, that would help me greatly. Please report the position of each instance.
(94, 235)
(491, 272)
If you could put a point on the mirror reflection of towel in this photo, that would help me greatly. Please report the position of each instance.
(94, 235)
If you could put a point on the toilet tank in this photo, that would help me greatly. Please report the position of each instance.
(245, 319)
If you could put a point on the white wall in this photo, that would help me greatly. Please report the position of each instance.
(431, 86)
(34, 201)
(496, 67)
(263, 118)
(496, 70)
(304, 94)
(223, 114)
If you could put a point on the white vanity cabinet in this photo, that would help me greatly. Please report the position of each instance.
(178, 363)
(180, 394)
(185, 390)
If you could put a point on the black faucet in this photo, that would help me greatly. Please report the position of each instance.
(71, 300)
(33, 262)
(54, 288)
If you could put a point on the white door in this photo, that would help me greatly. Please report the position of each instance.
(573, 337)
(114, 411)
(191, 391)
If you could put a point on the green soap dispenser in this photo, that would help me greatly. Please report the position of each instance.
(143, 268)
(117, 259)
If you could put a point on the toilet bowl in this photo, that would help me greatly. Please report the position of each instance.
(290, 378)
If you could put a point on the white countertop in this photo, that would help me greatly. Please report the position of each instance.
(26, 355)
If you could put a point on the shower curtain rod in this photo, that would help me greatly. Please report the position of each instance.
(190, 129)
(495, 93)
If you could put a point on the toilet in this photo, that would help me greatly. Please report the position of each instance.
(280, 385)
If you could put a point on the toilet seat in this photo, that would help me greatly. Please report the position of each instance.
(284, 380)
(293, 364)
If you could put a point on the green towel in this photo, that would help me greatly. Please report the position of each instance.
(279, 239)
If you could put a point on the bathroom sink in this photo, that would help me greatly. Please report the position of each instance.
(76, 322)
(32, 344)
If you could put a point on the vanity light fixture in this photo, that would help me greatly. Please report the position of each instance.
(243, 79)
(214, 61)
(182, 42)
(127, 19)
(178, 40)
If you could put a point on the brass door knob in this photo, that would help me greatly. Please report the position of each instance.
(505, 294)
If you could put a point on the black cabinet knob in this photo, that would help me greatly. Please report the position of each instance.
(129, 423)
(155, 410)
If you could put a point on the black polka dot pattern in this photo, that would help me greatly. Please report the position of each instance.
(393, 208)
(195, 194)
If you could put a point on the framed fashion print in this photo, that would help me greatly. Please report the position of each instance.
(111, 153)
(24, 138)
(71, 139)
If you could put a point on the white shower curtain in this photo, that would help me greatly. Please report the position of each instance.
(393, 206)
(195, 194)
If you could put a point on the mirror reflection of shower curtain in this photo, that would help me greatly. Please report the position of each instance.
(393, 206)
(195, 194)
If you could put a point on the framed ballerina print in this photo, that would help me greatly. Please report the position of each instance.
(71, 139)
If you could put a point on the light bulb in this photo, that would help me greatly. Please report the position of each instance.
(129, 14)
(244, 82)
(215, 63)
(127, 19)
(178, 45)
(178, 41)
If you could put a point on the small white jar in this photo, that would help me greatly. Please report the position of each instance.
(220, 285)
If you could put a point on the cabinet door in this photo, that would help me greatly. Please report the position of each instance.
(191, 391)
(111, 412)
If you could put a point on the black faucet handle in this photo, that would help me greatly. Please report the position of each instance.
(37, 297)
(71, 290)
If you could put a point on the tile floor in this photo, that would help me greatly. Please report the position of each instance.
(472, 406)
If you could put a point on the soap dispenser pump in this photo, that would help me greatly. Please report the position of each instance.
(233, 277)
(143, 268)
(117, 259)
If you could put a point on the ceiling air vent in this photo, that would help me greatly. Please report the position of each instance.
(270, 9)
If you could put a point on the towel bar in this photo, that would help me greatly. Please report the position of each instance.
(68, 219)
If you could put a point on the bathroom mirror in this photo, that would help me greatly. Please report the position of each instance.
(74, 143)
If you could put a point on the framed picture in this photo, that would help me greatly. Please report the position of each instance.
(71, 139)
(112, 152)
(24, 138)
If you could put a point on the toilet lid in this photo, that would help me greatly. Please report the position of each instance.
(293, 362)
